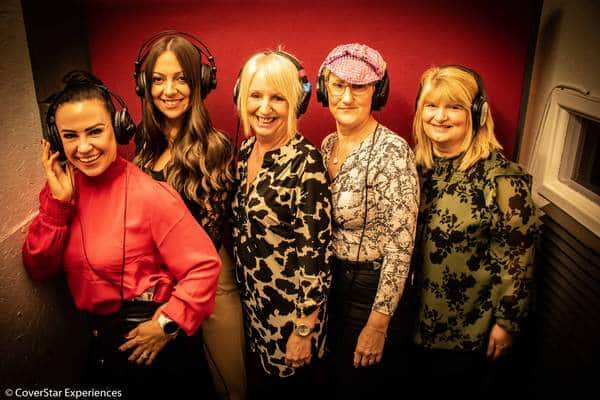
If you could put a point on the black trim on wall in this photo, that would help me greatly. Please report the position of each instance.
(529, 59)
(58, 43)
(567, 312)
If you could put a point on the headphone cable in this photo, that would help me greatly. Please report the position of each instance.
(362, 233)
(216, 367)
(82, 229)
(236, 147)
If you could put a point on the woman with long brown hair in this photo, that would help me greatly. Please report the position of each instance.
(177, 143)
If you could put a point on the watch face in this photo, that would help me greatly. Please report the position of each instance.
(303, 330)
(170, 328)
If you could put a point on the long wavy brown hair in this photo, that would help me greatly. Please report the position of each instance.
(201, 156)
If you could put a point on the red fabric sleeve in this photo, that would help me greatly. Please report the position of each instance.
(190, 256)
(44, 244)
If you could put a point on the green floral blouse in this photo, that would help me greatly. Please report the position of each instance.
(474, 255)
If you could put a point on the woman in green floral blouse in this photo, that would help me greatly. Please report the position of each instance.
(475, 238)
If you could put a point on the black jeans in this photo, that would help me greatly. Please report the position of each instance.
(352, 295)
(449, 373)
(179, 368)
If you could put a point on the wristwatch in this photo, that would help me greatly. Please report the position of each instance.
(168, 326)
(302, 330)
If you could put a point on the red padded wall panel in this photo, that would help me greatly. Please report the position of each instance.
(411, 35)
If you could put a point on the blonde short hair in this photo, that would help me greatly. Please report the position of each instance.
(281, 74)
(456, 85)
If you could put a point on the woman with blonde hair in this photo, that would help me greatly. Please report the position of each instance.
(476, 234)
(177, 143)
(282, 227)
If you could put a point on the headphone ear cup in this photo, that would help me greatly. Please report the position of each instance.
(483, 114)
(478, 112)
(382, 91)
(418, 96)
(205, 80)
(53, 138)
(322, 90)
(236, 91)
(305, 99)
(213, 77)
(118, 126)
(140, 84)
(124, 126)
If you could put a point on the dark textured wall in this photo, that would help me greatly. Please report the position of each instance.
(42, 337)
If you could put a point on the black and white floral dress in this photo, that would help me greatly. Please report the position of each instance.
(392, 208)
(282, 237)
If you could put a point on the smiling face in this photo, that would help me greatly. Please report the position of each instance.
(170, 89)
(349, 104)
(87, 135)
(267, 109)
(445, 124)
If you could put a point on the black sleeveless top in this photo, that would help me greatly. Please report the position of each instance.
(211, 221)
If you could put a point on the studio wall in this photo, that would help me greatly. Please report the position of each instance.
(412, 35)
(39, 325)
(42, 336)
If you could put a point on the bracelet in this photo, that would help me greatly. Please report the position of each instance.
(382, 331)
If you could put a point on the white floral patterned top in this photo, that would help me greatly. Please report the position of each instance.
(392, 208)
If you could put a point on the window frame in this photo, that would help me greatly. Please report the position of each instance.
(554, 157)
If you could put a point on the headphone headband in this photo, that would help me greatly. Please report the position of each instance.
(208, 72)
(147, 45)
(302, 76)
(123, 124)
(114, 96)
(480, 88)
(479, 105)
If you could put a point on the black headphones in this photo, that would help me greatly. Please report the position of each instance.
(306, 86)
(479, 106)
(208, 72)
(380, 95)
(123, 124)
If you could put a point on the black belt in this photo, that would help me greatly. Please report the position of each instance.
(358, 265)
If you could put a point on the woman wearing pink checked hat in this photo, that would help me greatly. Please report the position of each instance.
(375, 203)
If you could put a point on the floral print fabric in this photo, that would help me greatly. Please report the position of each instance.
(474, 253)
(392, 207)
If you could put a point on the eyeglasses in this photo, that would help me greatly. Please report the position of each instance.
(338, 88)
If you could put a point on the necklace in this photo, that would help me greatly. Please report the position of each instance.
(336, 147)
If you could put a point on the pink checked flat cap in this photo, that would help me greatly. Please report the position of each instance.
(356, 63)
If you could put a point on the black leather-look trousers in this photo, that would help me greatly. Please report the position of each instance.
(179, 368)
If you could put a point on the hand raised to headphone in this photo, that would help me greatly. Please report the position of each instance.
(59, 179)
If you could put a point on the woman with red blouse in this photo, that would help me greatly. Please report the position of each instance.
(121, 238)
